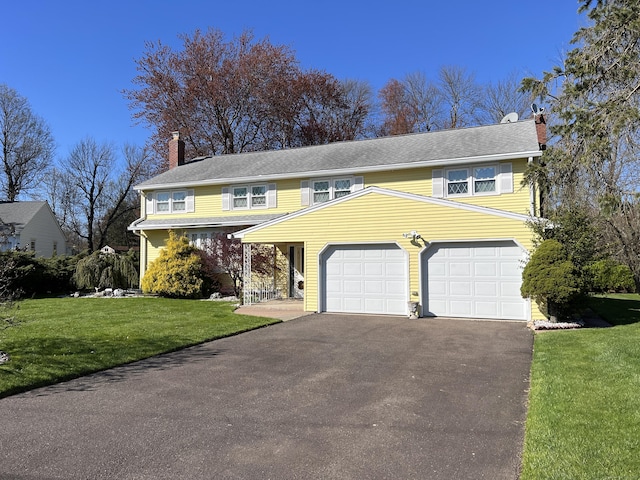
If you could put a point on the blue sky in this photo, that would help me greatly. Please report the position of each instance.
(71, 59)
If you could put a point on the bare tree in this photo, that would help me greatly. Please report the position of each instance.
(425, 100)
(501, 98)
(460, 96)
(27, 145)
(96, 193)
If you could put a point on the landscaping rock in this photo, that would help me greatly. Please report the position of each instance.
(4, 357)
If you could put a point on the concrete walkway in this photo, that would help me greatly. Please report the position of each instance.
(282, 309)
(319, 397)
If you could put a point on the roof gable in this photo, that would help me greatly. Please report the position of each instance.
(485, 143)
(19, 214)
(394, 193)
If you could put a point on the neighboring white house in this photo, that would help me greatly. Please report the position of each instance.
(31, 226)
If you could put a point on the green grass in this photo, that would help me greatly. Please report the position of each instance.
(63, 338)
(584, 405)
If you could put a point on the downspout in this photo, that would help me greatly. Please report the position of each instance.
(532, 193)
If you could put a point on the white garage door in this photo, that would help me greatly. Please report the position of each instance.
(474, 280)
(365, 279)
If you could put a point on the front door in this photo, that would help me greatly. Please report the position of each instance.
(296, 271)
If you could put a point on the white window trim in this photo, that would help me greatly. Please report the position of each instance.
(502, 180)
(152, 202)
(355, 183)
(269, 194)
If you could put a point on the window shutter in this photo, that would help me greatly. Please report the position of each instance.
(358, 183)
(506, 178)
(272, 197)
(437, 183)
(226, 201)
(190, 201)
(304, 192)
(149, 204)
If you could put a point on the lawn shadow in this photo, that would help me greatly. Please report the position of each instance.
(617, 311)
(165, 361)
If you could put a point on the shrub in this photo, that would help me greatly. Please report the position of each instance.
(551, 279)
(38, 275)
(106, 270)
(607, 276)
(177, 272)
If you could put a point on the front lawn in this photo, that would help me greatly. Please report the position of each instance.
(584, 404)
(62, 338)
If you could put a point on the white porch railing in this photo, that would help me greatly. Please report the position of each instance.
(259, 291)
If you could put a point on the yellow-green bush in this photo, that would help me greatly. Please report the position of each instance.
(177, 272)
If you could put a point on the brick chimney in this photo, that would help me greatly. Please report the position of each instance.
(541, 130)
(176, 151)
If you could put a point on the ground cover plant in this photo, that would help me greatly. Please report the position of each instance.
(584, 409)
(56, 339)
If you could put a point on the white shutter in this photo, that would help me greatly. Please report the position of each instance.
(190, 201)
(437, 183)
(304, 192)
(358, 183)
(272, 197)
(506, 178)
(149, 204)
(226, 201)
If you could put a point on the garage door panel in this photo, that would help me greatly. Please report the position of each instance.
(459, 252)
(487, 309)
(374, 286)
(460, 308)
(349, 287)
(510, 269)
(486, 288)
(460, 289)
(480, 279)
(370, 279)
(459, 269)
(510, 289)
(485, 269)
(374, 269)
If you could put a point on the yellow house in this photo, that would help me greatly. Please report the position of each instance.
(432, 224)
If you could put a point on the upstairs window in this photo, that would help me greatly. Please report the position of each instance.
(314, 192)
(163, 202)
(325, 190)
(259, 196)
(170, 201)
(484, 180)
(247, 197)
(321, 191)
(458, 182)
(470, 181)
(240, 197)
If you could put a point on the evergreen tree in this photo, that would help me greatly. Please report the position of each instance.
(594, 97)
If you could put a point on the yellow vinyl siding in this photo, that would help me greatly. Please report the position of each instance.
(208, 199)
(376, 218)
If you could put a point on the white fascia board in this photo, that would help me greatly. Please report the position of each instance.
(346, 171)
(134, 226)
(383, 191)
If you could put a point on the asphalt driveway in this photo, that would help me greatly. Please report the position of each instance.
(320, 397)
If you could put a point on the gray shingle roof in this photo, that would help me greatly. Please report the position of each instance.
(18, 214)
(379, 153)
